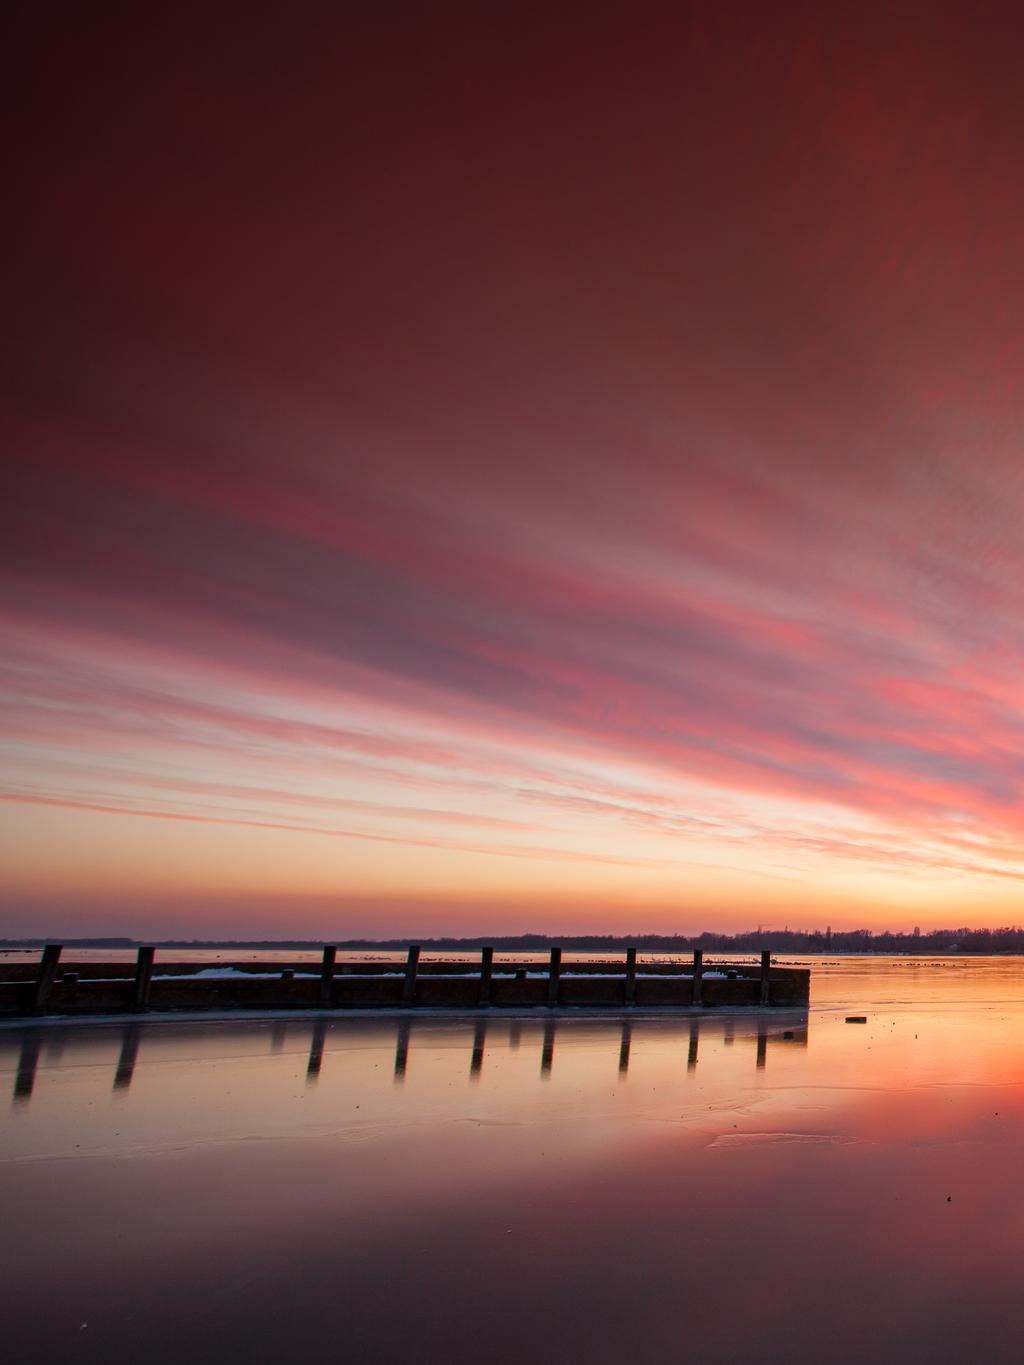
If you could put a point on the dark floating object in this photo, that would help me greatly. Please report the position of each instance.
(856, 1018)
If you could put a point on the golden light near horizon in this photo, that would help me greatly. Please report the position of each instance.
(159, 787)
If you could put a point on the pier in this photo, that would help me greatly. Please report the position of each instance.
(52, 986)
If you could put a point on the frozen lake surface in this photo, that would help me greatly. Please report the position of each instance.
(781, 1187)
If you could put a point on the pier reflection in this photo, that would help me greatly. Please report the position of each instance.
(402, 1049)
(547, 1052)
(476, 1060)
(626, 1038)
(316, 1050)
(624, 1044)
(129, 1055)
(28, 1061)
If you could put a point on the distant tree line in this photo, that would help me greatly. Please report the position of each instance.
(963, 940)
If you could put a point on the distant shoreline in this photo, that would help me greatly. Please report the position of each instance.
(956, 942)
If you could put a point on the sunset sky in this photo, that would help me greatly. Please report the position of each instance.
(507, 467)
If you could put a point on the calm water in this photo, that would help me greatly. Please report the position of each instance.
(779, 1187)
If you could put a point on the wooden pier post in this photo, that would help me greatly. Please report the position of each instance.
(45, 977)
(554, 976)
(486, 971)
(143, 979)
(327, 974)
(766, 966)
(698, 978)
(630, 997)
(409, 985)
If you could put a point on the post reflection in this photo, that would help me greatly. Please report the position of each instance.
(278, 1032)
(691, 1055)
(625, 1038)
(515, 1034)
(476, 1060)
(547, 1052)
(762, 1046)
(316, 1051)
(25, 1075)
(402, 1049)
(129, 1055)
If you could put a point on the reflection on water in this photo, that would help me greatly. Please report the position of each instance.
(624, 1046)
(25, 1076)
(476, 1061)
(554, 1188)
(54, 1038)
(129, 1056)
(547, 1052)
(318, 1034)
(402, 1031)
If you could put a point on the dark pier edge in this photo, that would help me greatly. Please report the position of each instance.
(620, 983)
